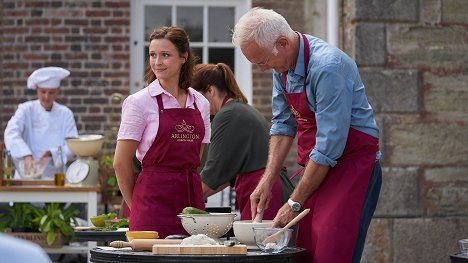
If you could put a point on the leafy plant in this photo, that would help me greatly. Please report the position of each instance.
(107, 162)
(57, 219)
(20, 216)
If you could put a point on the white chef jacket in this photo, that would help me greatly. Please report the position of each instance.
(32, 130)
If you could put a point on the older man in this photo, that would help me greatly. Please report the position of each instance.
(317, 95)
(38, 129)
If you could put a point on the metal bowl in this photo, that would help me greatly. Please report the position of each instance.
(214, 225)
(86, 144)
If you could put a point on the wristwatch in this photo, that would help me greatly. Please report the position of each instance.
(295, 206)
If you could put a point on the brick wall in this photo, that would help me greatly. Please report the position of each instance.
(90, 38)
(413, 60)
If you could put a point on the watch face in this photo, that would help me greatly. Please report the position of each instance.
(77, 172)
(296, 207)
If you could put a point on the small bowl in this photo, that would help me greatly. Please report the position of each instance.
(243, 230)
(141, 235)
(99, 221)
(261, 233)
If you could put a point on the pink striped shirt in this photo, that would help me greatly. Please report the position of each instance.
(140, 115)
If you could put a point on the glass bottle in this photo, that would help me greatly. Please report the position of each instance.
(59, 176)
(7, 167)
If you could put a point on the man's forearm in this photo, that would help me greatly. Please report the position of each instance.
(313, 176)
(278, 150)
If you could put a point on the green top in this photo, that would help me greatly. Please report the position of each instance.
(239, 144)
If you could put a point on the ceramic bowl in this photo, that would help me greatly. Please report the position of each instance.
(86, 144)
(243, 230)
(141, 235)
(99, 221)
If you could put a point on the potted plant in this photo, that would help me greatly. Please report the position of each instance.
(56, 219)
(19, 218)
(41, 225)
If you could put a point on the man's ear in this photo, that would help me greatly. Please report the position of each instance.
(282, 42)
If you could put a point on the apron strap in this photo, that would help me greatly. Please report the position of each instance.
(161, 105)
(284, 75)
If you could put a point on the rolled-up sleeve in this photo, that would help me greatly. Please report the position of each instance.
(133, 121)
(205, 112)
(282, 122)
(333, 114)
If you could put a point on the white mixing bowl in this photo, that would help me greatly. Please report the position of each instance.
(86, 144)
(243, 230)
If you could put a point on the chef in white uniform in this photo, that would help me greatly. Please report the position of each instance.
(39, 127)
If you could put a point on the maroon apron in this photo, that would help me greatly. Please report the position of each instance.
(169, 180)
(245, 184)
(329, 232)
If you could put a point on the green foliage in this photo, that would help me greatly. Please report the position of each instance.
(57, 219)
(51, 219)
(20, 216)
(107, 161)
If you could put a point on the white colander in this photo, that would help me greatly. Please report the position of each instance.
(214, 225)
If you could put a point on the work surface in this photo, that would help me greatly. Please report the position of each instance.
(126, 256)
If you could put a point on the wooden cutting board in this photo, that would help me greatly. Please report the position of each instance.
(199, 249)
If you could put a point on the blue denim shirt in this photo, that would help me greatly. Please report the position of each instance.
(335, 93)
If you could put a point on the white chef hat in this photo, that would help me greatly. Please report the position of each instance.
(48, 77)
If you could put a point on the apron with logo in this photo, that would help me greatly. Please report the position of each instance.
(169, 180)
(329, 232)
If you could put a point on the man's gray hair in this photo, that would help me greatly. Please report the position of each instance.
(264, 26)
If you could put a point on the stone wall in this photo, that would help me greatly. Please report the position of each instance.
(413, 60)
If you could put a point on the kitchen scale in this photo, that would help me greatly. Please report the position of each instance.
(84, 171)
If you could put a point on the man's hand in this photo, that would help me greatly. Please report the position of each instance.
(260, 198)
(28, 164)
(284, 216)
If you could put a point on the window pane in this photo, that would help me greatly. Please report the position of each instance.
(156, 16)
(224, 55)
(198, 51)
(220, 24)
(191, 19)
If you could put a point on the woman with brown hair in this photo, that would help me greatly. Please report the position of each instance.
(166, 125)
(238, 150)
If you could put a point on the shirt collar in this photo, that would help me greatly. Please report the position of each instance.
(299, 70)
(154, 89)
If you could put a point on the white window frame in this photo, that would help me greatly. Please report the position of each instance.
(243, 68)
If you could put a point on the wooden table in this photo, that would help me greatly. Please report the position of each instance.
(55, 194)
